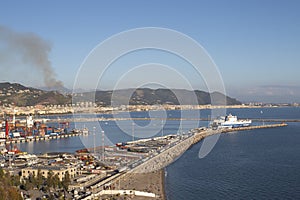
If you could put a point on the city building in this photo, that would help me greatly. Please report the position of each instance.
(45, 171)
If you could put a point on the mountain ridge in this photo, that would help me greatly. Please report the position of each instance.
(147, 96)
(20, 95)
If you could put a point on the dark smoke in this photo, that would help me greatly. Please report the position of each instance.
(33, 50)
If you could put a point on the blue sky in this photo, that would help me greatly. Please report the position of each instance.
(255, 44)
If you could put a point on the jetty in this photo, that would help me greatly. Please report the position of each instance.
(40, 138)
(253, 127)
(172, 152)
(166, 156)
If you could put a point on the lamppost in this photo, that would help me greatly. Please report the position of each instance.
(132, 131)
(103, 148)
(162, 127)
(261, 112)
(94, 131)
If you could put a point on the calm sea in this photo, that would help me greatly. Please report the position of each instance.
(256, 164)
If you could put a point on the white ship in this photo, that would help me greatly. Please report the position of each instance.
(230, 121)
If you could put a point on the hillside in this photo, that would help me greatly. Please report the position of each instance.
(19, 95)
(146, 96)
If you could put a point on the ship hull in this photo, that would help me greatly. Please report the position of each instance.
(236, 124)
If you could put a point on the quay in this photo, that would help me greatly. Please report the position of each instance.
(254, 127)
(170, 153)
(162, 158)
(141, 177)
(34, 139)
(199, 135)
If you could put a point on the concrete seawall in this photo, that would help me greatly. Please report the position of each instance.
(164, 158)
(254, 127)
(168, 156)
(140, 176)
(171, 153)
(202, 134)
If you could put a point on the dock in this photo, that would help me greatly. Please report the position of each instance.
(157, 161)
(253, 127)
(171, 153)
(35, 139)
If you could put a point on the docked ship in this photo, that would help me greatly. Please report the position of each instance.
(230, 121)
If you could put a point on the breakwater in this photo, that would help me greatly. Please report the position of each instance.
(159, 160)
(171, 153)
(254, 127)
(199, 135)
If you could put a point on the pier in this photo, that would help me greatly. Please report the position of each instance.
(34, 139)
(254, 127)
(169, 154)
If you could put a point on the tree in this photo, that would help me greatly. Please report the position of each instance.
(28, 185)
(56, 182)
(39, 179)
(49, 181)
(32, 180)
(51, 196)
(15, 180)
(14, 194)
(66, 181)
(1, 173)
(7, 188)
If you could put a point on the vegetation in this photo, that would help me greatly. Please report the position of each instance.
(9, 186)
(20, 95)
(46, 184)
(51, 185)
(146, 96)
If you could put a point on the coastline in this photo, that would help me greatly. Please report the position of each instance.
(142, 180)
(46, 111)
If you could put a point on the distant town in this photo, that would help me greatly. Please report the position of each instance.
(90, 107)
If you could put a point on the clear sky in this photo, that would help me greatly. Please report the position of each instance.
(254, 43)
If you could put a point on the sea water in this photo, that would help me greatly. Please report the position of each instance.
(254, 164)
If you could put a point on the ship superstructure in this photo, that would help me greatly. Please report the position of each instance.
(230, 121)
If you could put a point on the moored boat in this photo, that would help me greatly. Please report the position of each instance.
(230, 121)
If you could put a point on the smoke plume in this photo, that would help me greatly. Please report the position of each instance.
(33, 51)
